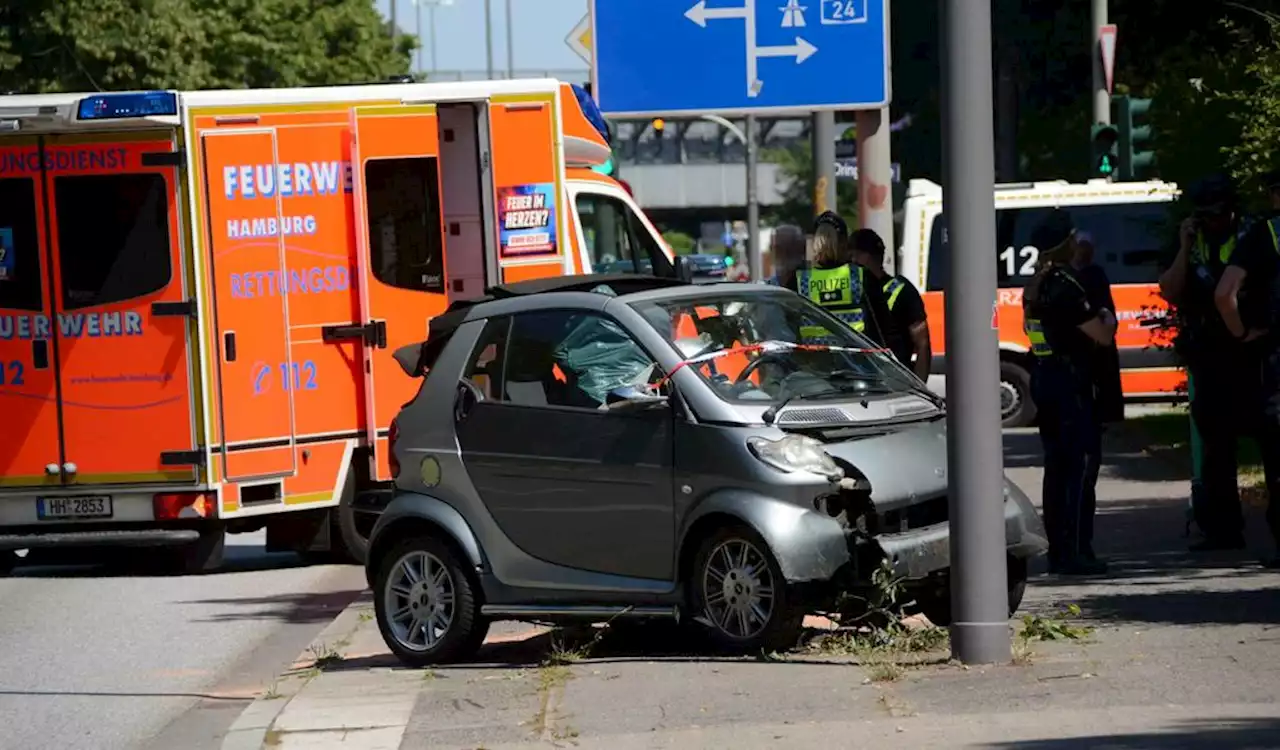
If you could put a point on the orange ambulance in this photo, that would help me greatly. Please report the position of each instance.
(200, 292)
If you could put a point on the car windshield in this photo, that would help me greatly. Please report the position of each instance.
(767, 348)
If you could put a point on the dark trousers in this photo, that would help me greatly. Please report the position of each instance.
(1269, 435)
(1072, 441)
(1224, 410)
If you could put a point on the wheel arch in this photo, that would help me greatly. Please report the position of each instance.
(412, 514)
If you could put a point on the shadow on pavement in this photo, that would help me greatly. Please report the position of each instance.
(145, 562)
(1191, 735)
(288, 608)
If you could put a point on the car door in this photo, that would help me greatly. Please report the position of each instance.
(567, 483)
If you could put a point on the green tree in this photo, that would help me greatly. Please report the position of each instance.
(86, 45)
(795, 167)
(679, 242)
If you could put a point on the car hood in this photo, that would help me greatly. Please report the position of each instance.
(904, 466)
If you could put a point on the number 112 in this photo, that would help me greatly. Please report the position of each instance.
(301, 376)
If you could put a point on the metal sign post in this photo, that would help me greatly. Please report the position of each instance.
(975, 456)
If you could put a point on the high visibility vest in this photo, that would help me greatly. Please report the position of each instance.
(839, 291)
(1034, 326)
(1200, 251)
(892, 288)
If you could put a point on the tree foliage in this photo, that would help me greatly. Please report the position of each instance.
(795, 166)
(86, 45)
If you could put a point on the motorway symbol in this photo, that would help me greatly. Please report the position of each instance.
(774, 56)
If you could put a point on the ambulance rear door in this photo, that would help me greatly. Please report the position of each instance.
(124, 312)
(30, 445)
(246, 260)
(396, 171)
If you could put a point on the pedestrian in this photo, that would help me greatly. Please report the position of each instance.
(1248, 299)
(906, 307)
(1065, 330)
(1108, 393)
(842, 287)
(787, 251)
(1222, 371)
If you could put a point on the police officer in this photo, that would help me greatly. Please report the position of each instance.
(1221, 369)
(906, 308)
(1065, 330)
(1248, 299)
(844, 288)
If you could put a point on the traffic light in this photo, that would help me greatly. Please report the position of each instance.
(1105, 158)
(1135, 153)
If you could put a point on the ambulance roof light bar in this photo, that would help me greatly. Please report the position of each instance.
(128, 106)
(592, 111)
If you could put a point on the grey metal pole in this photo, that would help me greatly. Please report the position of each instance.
(417, 25)
(431, 20)
(979, 596)
(488, 37)
(395, 30)
(875, 177)
(511, 45)
(824, 162)
(753, 204)
(1101, 99)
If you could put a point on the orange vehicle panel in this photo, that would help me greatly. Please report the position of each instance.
(29, 440)
(1135, 303)
(125, 371)
(526, 164)
(385, 133)
(257, 376)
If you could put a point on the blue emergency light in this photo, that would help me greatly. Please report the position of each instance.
(126, 106)
(592, 111)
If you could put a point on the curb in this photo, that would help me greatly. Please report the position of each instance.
(249, 731)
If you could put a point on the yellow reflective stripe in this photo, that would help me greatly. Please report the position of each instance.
(1275, 233)
(1035, 334)
(892, 289)
(1200, 251)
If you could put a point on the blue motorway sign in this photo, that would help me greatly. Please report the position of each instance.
(671, 57)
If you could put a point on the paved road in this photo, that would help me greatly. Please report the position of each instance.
(95, 659)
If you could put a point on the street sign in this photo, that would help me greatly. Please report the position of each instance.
(1107, 48)
(847, 169)
(579, 40)
(738, 56)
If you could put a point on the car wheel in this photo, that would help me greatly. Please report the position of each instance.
(1017, 409)
(937, 605)
(739, 596)
(354, 543)
(426, 604)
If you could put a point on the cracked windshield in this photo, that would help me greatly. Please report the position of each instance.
(639, 374)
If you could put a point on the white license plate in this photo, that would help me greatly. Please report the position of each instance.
(85, 506)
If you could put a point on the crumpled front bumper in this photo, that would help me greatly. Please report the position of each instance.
(919, 552)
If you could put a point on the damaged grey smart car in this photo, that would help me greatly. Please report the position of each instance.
(626, 446)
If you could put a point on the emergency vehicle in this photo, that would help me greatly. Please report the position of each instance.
(1134, 233)
(200, 292)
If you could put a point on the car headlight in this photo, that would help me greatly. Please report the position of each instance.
(795, 453)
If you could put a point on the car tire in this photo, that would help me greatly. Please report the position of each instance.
(1017, 409)
(464, 628)
(937, 605)
(732, 571)
(206, 553)
(354, 545)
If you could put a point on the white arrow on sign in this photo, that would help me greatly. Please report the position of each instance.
(700, 13)
(1107, 48)
(801, 50)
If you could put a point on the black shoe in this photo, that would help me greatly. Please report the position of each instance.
(1082, 566)
(1218, 544)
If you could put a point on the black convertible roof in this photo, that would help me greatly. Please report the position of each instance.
(620, 283)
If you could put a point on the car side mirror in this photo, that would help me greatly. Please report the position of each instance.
(410, 359)
(625, 400)
(684, 269)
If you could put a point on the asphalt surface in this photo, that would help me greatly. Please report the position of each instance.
(105, 659)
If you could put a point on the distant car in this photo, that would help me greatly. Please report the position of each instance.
(708, 265)
(593, 447)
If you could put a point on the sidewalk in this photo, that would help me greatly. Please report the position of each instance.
(1186, 653)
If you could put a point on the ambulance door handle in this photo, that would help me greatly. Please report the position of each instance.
(374, 334)
(40, 354)
(229, 346)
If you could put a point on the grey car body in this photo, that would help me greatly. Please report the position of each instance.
(552, 513)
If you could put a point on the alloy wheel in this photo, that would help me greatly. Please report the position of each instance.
(421, 601)
(738, 589)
